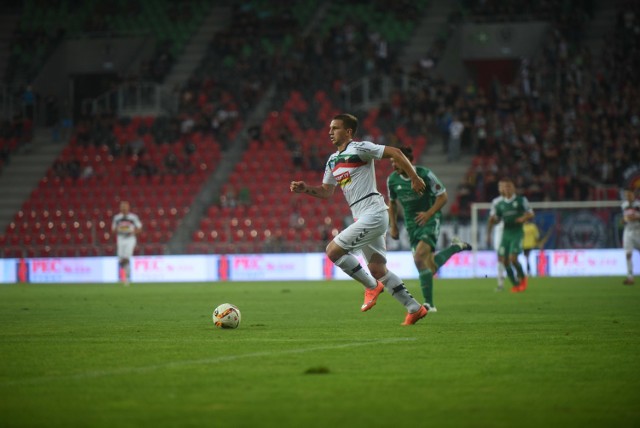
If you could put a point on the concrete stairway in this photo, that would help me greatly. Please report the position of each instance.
(196, 48)
(433, 22)
(450, 173)
(602, 24)
(8, 22)
(23, 173)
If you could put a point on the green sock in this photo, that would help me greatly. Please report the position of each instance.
(511, 276)
(444, 255)
(426, 285)
(519, 270)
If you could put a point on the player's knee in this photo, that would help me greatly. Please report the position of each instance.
(378, 270)
(334, 252)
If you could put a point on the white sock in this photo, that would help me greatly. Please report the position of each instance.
(501, 274)
(351, 266)
(394, 286)
(629, 267)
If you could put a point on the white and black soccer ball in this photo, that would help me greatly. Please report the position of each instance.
(226, 316)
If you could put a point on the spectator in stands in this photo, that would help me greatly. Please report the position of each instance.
(456, 129)
(171, 164)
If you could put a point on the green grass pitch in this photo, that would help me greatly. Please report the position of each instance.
(566, 353)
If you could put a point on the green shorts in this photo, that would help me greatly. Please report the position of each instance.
(511, 243)
(428, 234)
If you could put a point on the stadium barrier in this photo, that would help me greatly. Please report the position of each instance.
(297, 267)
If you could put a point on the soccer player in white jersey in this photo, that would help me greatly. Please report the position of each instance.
(631, 234)
(352, 168)
(127, 225)
(497, 237)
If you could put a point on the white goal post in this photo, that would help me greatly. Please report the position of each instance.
(584, 224)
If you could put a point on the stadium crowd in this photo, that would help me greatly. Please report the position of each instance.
(566, 125)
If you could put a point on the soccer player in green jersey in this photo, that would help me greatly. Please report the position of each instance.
(422, 214)
(514, 210)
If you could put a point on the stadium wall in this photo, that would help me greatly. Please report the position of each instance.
(296, 267)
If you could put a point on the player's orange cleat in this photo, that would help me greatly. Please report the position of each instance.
(413, 318)
(516, 289)
(523, 284)
(371, 296)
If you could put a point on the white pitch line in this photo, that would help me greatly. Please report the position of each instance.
(185, 363)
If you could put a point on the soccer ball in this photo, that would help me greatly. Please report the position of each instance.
(226, 316)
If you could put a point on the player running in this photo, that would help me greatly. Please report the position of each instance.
(514, 210)
(422, 213)
(127, 225)
(352, 168)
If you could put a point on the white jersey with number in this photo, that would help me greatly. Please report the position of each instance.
(125, 225)
(353, 170)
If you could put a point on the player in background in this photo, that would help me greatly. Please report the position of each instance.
(496, 239)
(127, 225)
(514, 210)
(422, 219)
(530, 241)
(352, 168)
(631, 233)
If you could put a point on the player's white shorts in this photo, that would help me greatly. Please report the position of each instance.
(630, 240)
(126, 245)
(366, 234)
(497, 235)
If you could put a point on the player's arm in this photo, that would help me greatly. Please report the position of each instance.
(417, 183)
(525, 217)
(423, 216)
(631, 215)
(528, 212)
(324, 191)
(394, 232)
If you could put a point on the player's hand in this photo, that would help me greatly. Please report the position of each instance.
(298, 186)
(394, 233)
(422, 218)
(418, 185)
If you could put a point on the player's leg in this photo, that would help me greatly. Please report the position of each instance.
(375, 252)
(456, 246)
(515, 251)
(340, 252)
(497, 239)
(125, 252)
(423, 258)
(503, 257)
(627, 245)
(501, 275)
(527, 251)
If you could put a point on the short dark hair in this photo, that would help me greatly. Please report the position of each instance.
(507, 180)
(408, 152)
(349, 121)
